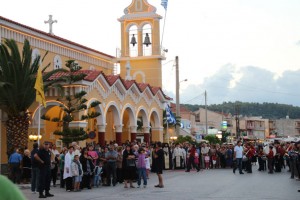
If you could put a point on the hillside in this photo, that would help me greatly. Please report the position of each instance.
(266, 110)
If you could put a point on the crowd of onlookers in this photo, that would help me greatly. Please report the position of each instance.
(93, 166)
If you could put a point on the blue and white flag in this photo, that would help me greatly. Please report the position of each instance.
(170, 117)
(164, 3)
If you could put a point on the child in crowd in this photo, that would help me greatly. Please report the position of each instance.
(77, 173)
(206, 159)
(147, 161)
(141, 166)
(214, 160)
(97, 174)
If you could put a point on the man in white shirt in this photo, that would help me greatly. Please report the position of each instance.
(67, 169)
(238, 157)
(178, 156)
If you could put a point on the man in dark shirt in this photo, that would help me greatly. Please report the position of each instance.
(159, 163)
(44, 157)
(34, 169)
(111, 157)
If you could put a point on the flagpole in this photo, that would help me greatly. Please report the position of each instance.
(39, 124)
(163, 31)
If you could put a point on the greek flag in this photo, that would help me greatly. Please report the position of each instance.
(164, 3)
(170, 117)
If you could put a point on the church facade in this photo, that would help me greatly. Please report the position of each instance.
(126, 98)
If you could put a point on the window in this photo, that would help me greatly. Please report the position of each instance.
(57, 62)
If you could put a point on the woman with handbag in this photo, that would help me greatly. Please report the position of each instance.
(129, 166)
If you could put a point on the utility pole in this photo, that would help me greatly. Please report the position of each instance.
(177, 95)
(206, 127)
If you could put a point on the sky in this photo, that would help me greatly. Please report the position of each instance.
(235, 50)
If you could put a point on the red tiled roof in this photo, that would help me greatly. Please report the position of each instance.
(55, 37)
(128, 83)
(91, 75)
(111, 79)
(142, 86)
(155, 90)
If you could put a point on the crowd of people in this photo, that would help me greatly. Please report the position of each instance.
(93, 166)
(86, 167)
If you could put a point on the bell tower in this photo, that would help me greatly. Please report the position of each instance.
(140, 44)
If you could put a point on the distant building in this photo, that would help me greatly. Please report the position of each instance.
(287, 127)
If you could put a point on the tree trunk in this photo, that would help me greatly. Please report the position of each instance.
(17, 133)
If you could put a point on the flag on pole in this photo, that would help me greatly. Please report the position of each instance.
(170, 117)
(164, 3)
(39, 86)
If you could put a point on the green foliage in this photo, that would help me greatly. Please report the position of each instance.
(92, 115)
(212, 139)
(72, 135)
(17, 79)
(182, 139)
(266, 110)
(73, 104)
(55, 119)
(45, 117)
(95, 103)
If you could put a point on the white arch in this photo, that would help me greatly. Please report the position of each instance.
(116, 112)
(140, 73)
(130, 25)
(132, 116)
(145, 115)
(141, 26)
(157, 119)
(49, 104)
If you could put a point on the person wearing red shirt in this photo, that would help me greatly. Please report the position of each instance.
(191, 159)
(270, 159)
(250, 153)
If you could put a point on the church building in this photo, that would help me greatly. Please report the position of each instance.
(126, 98)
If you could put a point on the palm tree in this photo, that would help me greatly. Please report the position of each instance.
(17, 93)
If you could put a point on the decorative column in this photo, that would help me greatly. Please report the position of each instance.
(147, 134)
(101, 135)
(118, 129)
(140, 42)
(133, 133)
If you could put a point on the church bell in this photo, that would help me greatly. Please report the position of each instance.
(133, 40)
(147, 40)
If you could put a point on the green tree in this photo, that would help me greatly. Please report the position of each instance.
(182, 139)
(73, 104)
(212, 139)
(17, 77)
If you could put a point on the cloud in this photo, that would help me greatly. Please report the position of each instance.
(298, 43)
(253, 84)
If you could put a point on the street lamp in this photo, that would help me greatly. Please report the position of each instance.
(34, 137)
(173, 138)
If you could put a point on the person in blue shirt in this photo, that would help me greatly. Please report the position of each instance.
(14, 162)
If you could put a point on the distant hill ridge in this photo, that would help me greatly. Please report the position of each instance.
(266, 110)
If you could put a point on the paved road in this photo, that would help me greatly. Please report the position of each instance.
(209, 184)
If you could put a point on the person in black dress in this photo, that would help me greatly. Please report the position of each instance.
(159, 163)
(128, 165)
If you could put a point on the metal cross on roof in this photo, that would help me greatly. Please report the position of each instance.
(50, 22)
